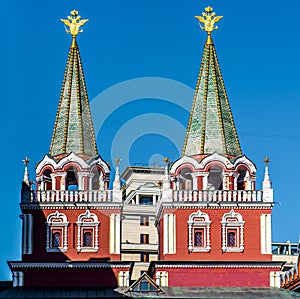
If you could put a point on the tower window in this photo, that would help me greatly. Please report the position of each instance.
(215, 178)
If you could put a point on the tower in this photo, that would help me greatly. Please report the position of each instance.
(71, 221)
(214, 225)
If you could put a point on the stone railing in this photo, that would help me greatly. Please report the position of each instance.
(55, 196)
(217, 196)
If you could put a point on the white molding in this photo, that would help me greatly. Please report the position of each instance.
(215, 157)
(94, 226)
(58, 221)
(184, 160)
(243, 160)
(238, 225)
(194, 224)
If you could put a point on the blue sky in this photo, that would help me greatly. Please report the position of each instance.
(258, 49)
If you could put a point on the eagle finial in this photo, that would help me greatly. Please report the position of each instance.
(74, 23)
(209, 19)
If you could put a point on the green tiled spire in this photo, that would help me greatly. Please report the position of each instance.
(211, 126)
(73, 129)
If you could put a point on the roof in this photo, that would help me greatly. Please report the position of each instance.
(73, 129)
(211, 126)
(46, 292)
(168, 292)
(213, 292)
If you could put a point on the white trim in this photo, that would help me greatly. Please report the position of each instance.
(57, 221)
(27, 238)
(215, 157)
(184, 160)
(243, 160)
(82, 224)
(237, 225)
(115, 234)
(169, 234)
(265, 234)
(193, 224)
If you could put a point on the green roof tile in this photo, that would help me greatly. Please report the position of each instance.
(73, 129)
(211, 126)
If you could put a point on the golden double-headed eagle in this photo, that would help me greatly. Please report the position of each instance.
(74, 23)
(209, 19)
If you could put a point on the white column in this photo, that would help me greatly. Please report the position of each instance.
(266, 234)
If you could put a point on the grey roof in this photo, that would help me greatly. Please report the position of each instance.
(46, 292)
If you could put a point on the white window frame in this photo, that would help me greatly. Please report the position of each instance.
(199, 221)
(57, 221)
(87, 221)
(233, 221)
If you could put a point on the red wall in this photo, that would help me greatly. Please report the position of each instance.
(251, 236)
(39, 236)
(218, 277)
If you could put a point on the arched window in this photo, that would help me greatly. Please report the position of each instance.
(199, 232)
(232, 232)
(241, 184)
(185, 179)
(72, 179)
(57, 232)
(215, 178)
(96, 179)
(87, 232)
(47, 180)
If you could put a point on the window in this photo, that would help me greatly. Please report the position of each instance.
(56, 239)
(231, 238)
(144, 220)
(57, 232)
(144, 284)
(87, 232)
(199, 232)
(87, 239)
(232, 232)
(146, 200)
(198, 238)
(145, 257)
(144, 239)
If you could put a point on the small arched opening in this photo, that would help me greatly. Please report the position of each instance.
(96, 179)
(185, 179)
(72, 179)
(241, 183)
(47, 179)
(215, 178)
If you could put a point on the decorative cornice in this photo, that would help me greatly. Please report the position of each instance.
(71, 206)
(68, 265)
(212, 264)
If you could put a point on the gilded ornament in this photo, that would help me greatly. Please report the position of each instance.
(209, 19)
(74, 23)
